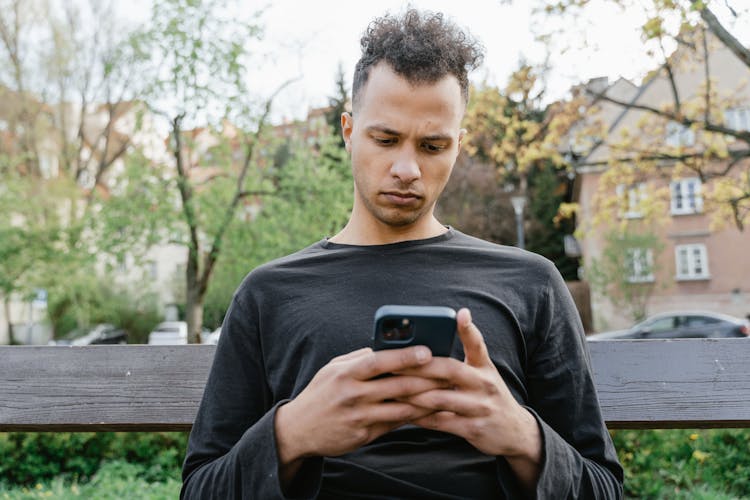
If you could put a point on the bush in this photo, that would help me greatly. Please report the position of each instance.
(114, 480)
(98, 302)
(681, 463)
(32, 457)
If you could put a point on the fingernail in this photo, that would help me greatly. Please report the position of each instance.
(423, 354)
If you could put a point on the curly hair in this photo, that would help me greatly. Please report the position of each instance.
(421, 47)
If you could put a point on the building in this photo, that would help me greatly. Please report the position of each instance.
(664, 186)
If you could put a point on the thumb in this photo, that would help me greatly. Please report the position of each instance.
(475, 349)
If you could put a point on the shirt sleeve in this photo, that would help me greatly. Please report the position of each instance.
(232, 451)
(579, 458)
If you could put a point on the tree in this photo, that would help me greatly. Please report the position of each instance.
(65, 101)
(547, 190)
(315, 197)
(337, 104)
(198, 53)
(687, 35)
(26, 240)
(513, 133)
(626, 270)
(475, 201)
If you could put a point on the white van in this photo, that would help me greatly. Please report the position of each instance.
(169, 333)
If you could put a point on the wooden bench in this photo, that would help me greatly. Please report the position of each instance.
(691, 383)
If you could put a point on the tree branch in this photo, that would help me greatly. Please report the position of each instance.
(245, 194)
(743, 135)
(213, 254)
(739, 50)
(186, 193)
(735, 155)
(672, 83)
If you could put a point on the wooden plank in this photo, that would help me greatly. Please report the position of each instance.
(641, 384)
(97, 388)
(673, 383)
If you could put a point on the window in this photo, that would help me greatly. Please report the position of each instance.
(639, 263)
(700, 321)
(630, 199)
(662, 324)
(48, 165)
(686, 196)
(737, 118)
(691, 261)
(679, 135)
(153, 270)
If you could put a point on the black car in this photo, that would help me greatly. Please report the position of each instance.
(103, 333)
(674, 325)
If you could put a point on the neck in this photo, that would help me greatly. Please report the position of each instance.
(377, 233)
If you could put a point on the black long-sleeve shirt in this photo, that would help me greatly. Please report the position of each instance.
(291, 316)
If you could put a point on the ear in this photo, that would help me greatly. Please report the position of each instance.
(461, 136)
(347, 124)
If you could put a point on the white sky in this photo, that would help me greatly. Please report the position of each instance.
(307, 39)
(310, 38)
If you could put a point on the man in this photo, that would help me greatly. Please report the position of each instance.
(294, 406)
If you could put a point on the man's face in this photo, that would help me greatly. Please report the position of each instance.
(403, 141)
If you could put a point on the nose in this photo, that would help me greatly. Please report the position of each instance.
(405, 166)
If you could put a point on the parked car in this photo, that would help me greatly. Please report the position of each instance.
(211, 337)
(169, 333)
(681, 324)
(103, 333)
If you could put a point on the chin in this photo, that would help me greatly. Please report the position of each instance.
(400, 220)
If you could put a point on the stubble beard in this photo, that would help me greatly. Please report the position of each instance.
(397, 217)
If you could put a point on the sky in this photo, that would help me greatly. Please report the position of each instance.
(310, 40)
(307, 40)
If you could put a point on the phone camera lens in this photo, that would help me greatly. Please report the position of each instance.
(397, 330)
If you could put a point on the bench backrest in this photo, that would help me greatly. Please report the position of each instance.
(641, 384)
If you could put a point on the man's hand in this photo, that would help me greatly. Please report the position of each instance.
(478, 405)
(343, 408)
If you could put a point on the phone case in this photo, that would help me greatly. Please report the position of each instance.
(398, 326)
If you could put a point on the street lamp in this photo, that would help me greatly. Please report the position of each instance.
(519, 202)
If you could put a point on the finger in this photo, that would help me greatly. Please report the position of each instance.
(403, 386)
(443, 421)
(458, 402)
(392, 412)
(472, 340)
(377, 363)
(352, 355)
(451, 371)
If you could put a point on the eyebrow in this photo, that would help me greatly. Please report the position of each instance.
(389, 131)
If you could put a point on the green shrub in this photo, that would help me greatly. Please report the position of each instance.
(114, 480)
(32, 457)
(98, 302)
(681, 463)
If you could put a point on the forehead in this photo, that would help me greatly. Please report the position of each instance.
(387, 93)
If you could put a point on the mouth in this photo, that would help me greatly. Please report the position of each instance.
(402, 197)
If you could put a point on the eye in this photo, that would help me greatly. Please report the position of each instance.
(384, 141)
(432, 148)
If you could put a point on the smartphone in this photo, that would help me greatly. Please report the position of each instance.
(399, 326)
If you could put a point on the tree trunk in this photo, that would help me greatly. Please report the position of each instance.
(194, 316)
(193, 298)
(6, 307)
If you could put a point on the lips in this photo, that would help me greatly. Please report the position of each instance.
(402, 197)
